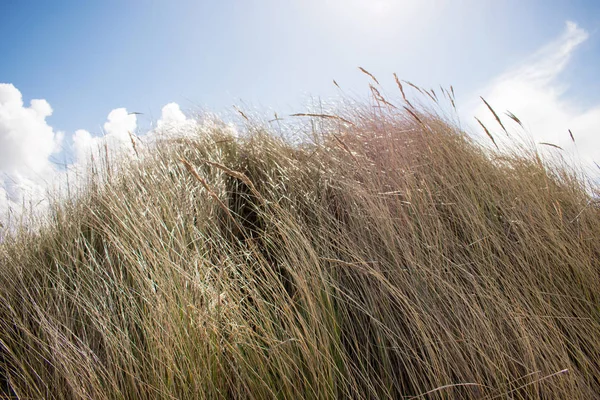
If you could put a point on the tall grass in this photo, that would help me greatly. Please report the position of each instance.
(389, 256)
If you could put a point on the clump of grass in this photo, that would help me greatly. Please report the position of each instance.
(389, 256)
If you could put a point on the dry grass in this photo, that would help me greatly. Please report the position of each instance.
(390, 257)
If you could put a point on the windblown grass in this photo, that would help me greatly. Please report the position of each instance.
(388, 257)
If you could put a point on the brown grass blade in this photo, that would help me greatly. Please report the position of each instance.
(444, 92)
(430, 95)
(238, 175)
(326, 116)
(211, 192)
(450, 386)
(369, 74)
(242, 114)
(487, 132)
(414, 86)
(276, 118)
(345, 146)
(377, 95)
(133, 143)
(413, 114)
(514, 118)
(495, 115)
(434, 95)
(504, 395)
(402, 90)
(551, 145)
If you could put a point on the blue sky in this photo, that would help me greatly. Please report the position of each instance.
(87, 58)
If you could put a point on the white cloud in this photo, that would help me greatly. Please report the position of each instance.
(120, 134)
(535, 93)
(26, 140)
(171, 113)
(27, 176)
(116, 141)
(26, 143)
(173, 122)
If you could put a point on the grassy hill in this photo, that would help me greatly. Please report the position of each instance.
(388, 256)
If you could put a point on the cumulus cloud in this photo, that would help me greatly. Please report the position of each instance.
(26, 140)
(173, 122)
(120, 134)
(535, 93)
(116, 140)
(26, 143)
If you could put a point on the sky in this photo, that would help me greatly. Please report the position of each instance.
(72, 71)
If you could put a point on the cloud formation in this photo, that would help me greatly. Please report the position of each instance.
(535, 93)
(116, 141)
(26, 140)
(26, 144)
(173, 122)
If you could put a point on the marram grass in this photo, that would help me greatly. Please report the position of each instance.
(389, 256)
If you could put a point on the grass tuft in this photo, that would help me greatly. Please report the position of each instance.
(388, 256)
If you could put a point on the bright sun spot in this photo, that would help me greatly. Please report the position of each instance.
(376, 13)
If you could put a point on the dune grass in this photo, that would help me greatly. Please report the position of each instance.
(389, 256)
